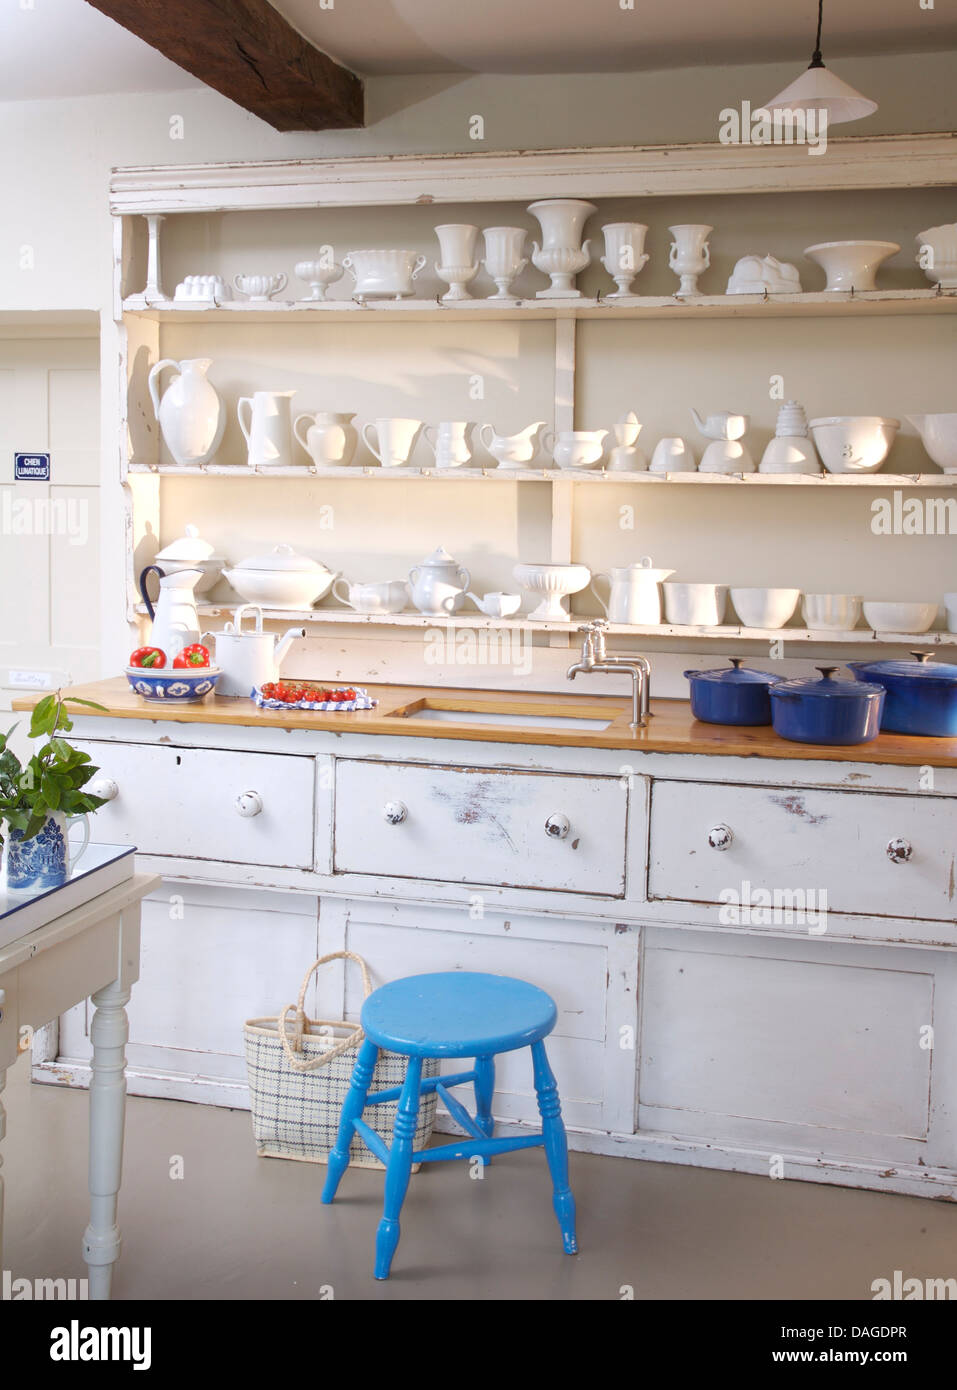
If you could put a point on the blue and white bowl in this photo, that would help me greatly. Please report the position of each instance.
(173, 686)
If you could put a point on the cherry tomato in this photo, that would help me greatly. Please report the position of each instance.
(194, 655)
(148, 657)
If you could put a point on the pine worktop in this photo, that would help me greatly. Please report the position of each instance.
(670, 730)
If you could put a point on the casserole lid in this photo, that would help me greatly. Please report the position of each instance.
(827, 687)
(189, 546)
(738, 675)
(282, 559)
(921, 669)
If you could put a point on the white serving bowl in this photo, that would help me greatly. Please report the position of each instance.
(765, 607)
(554, 583)
(939, 436)
(942, 268)
(899, 617)
(950, 603)
(695, 605)
(851, 265)
(383, 274)
(832, 612)
(854, 443)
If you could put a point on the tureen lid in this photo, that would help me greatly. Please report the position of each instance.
(282, 559)
(439, 556)
(189, 546)
(827, 687)
(738, 675)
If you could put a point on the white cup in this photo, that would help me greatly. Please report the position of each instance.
(395, 439)
(840, 612)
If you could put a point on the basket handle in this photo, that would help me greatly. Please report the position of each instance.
(295, 1058)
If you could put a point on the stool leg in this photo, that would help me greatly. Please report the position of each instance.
(556, 1145)
(398, 1170)
(484, 1090)
(352, 1108)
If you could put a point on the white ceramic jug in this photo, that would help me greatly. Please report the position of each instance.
(249, 657)
(174, 616)
(633, 593)
(191, 415)
(449, 441)
(265, 419)
(330, 439)
(438, 585)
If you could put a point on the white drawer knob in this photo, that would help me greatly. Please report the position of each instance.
(557, 826)
(395, 812)
(104, 787)
(248, 804)
(899, 851)
(720, 837)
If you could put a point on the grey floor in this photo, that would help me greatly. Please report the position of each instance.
(240, 1227)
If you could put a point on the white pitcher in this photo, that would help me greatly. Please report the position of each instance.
(395, 438)
(633, 594)
(191, 415)
(330, 438)
(174, 616)
(449, 442)
(265, 419)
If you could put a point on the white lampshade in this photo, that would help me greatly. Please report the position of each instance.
(818, 89)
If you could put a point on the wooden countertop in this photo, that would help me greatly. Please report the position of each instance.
(670, 730)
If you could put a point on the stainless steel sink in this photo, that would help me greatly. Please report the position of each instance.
(441, 712)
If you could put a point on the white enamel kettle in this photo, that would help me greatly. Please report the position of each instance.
(174, 616)
(251, 657)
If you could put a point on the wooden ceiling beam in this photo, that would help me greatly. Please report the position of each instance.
(247, 51)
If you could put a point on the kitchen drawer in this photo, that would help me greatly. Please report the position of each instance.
(182, 802)
(784, 840)
(473, 825)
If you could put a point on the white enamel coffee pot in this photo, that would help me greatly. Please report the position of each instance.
(249, 657)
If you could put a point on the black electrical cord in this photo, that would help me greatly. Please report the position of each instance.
(816, 60)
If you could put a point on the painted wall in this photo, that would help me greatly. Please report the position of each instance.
(55, 157)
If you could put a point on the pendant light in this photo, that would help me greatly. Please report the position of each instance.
(818, 89)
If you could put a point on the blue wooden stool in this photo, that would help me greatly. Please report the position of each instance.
(453, 1014)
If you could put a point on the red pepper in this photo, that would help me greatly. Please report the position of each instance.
(148, 657)
(194, 655)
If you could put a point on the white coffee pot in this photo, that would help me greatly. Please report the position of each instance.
(175, 621)
(438, 585)
(633, 593)
(249, 657)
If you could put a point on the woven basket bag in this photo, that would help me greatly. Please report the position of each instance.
(299, 1072)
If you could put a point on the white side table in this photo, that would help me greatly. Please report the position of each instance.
(57, 949)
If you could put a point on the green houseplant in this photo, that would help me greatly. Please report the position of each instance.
(40, 798)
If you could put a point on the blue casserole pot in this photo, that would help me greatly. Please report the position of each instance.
(826, 710)
(921, 697)
(738, 696)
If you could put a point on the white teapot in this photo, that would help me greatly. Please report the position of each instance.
(438, 585)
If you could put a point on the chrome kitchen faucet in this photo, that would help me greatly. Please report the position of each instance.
(595, 658)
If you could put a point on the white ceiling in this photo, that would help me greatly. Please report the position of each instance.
(65, 48)
(539, 36)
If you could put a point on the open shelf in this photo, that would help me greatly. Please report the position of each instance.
(556, 475)
(479, 621)
(814, 303)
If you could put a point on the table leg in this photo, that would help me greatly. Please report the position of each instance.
(108, 1032)
(3, 1130)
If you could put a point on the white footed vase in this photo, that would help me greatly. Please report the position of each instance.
(504, 258)
(690, 254)
(191, 414)
(625, 254)
(562, 254)
(457, 241)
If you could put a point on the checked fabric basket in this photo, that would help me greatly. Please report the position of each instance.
(299, 1071)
